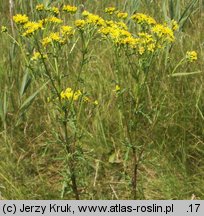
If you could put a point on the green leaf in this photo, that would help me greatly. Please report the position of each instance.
(30, 99)
(25, 83)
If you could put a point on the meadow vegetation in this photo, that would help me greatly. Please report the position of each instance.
(101, 99)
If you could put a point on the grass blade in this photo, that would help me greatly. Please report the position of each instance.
(185, 74)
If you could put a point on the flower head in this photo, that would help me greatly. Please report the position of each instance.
(110, 10)
(54, 10)
(117, 88)
(95, 103)
(122, 15)
(191, 56)
(174, 25)
(69, 94)
(46, 41)
(40, 7)
(85, 13)
(69, 8)
(67, 30)
(94, 19)
(36, 56)
(53, 19)
(20, 19)
(163, 32)
(31, 27)
(143, 19)
(80, 23)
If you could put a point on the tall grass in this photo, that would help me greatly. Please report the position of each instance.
(169, 117)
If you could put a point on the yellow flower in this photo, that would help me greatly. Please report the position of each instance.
(174, 25)
(40, 7)
(77, 94)
(80, 23)
(163, 32)
(55, 10)
(69, 94)
(31, 27)
(45, 41)
(121, 25)
(191, 56)
(94, 19)
(117, 88)
(95, 102)
(37, 55)
(115, 32)
(86, 99)
(131, 41)
(122, 15)
(85, 13)
(145, 38)
(151, 47)
(20, 19)
(53, 19)
(141, 50)
(67, 30)
(110, 10)
(55, 36)
(69, 8)
(143, 19)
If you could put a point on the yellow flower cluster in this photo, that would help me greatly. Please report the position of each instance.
(31, 27)
(148, 39)
(69, 94)
(20, 19)
(53, 37)
(93, 19)
(54, 10)
(142, 44)
(53, 19)
(116, 31)
(191, 56)
(146, 43)
(154, 37)
(174, 25)
(87, 99)
(37, 55)
(69, 8)
(119, 14)
(40, 7)
(80, 23)
(67, 30)
(110, 10)
(163, 32)
(122, 15)
(143, 19)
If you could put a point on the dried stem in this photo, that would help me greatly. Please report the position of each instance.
(11, 7)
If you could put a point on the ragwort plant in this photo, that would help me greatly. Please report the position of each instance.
(140, 45)
(49, 43)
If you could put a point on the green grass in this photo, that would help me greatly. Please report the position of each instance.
(169, 122)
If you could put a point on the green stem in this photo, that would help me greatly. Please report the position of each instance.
(179, 64)
(71, 163)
